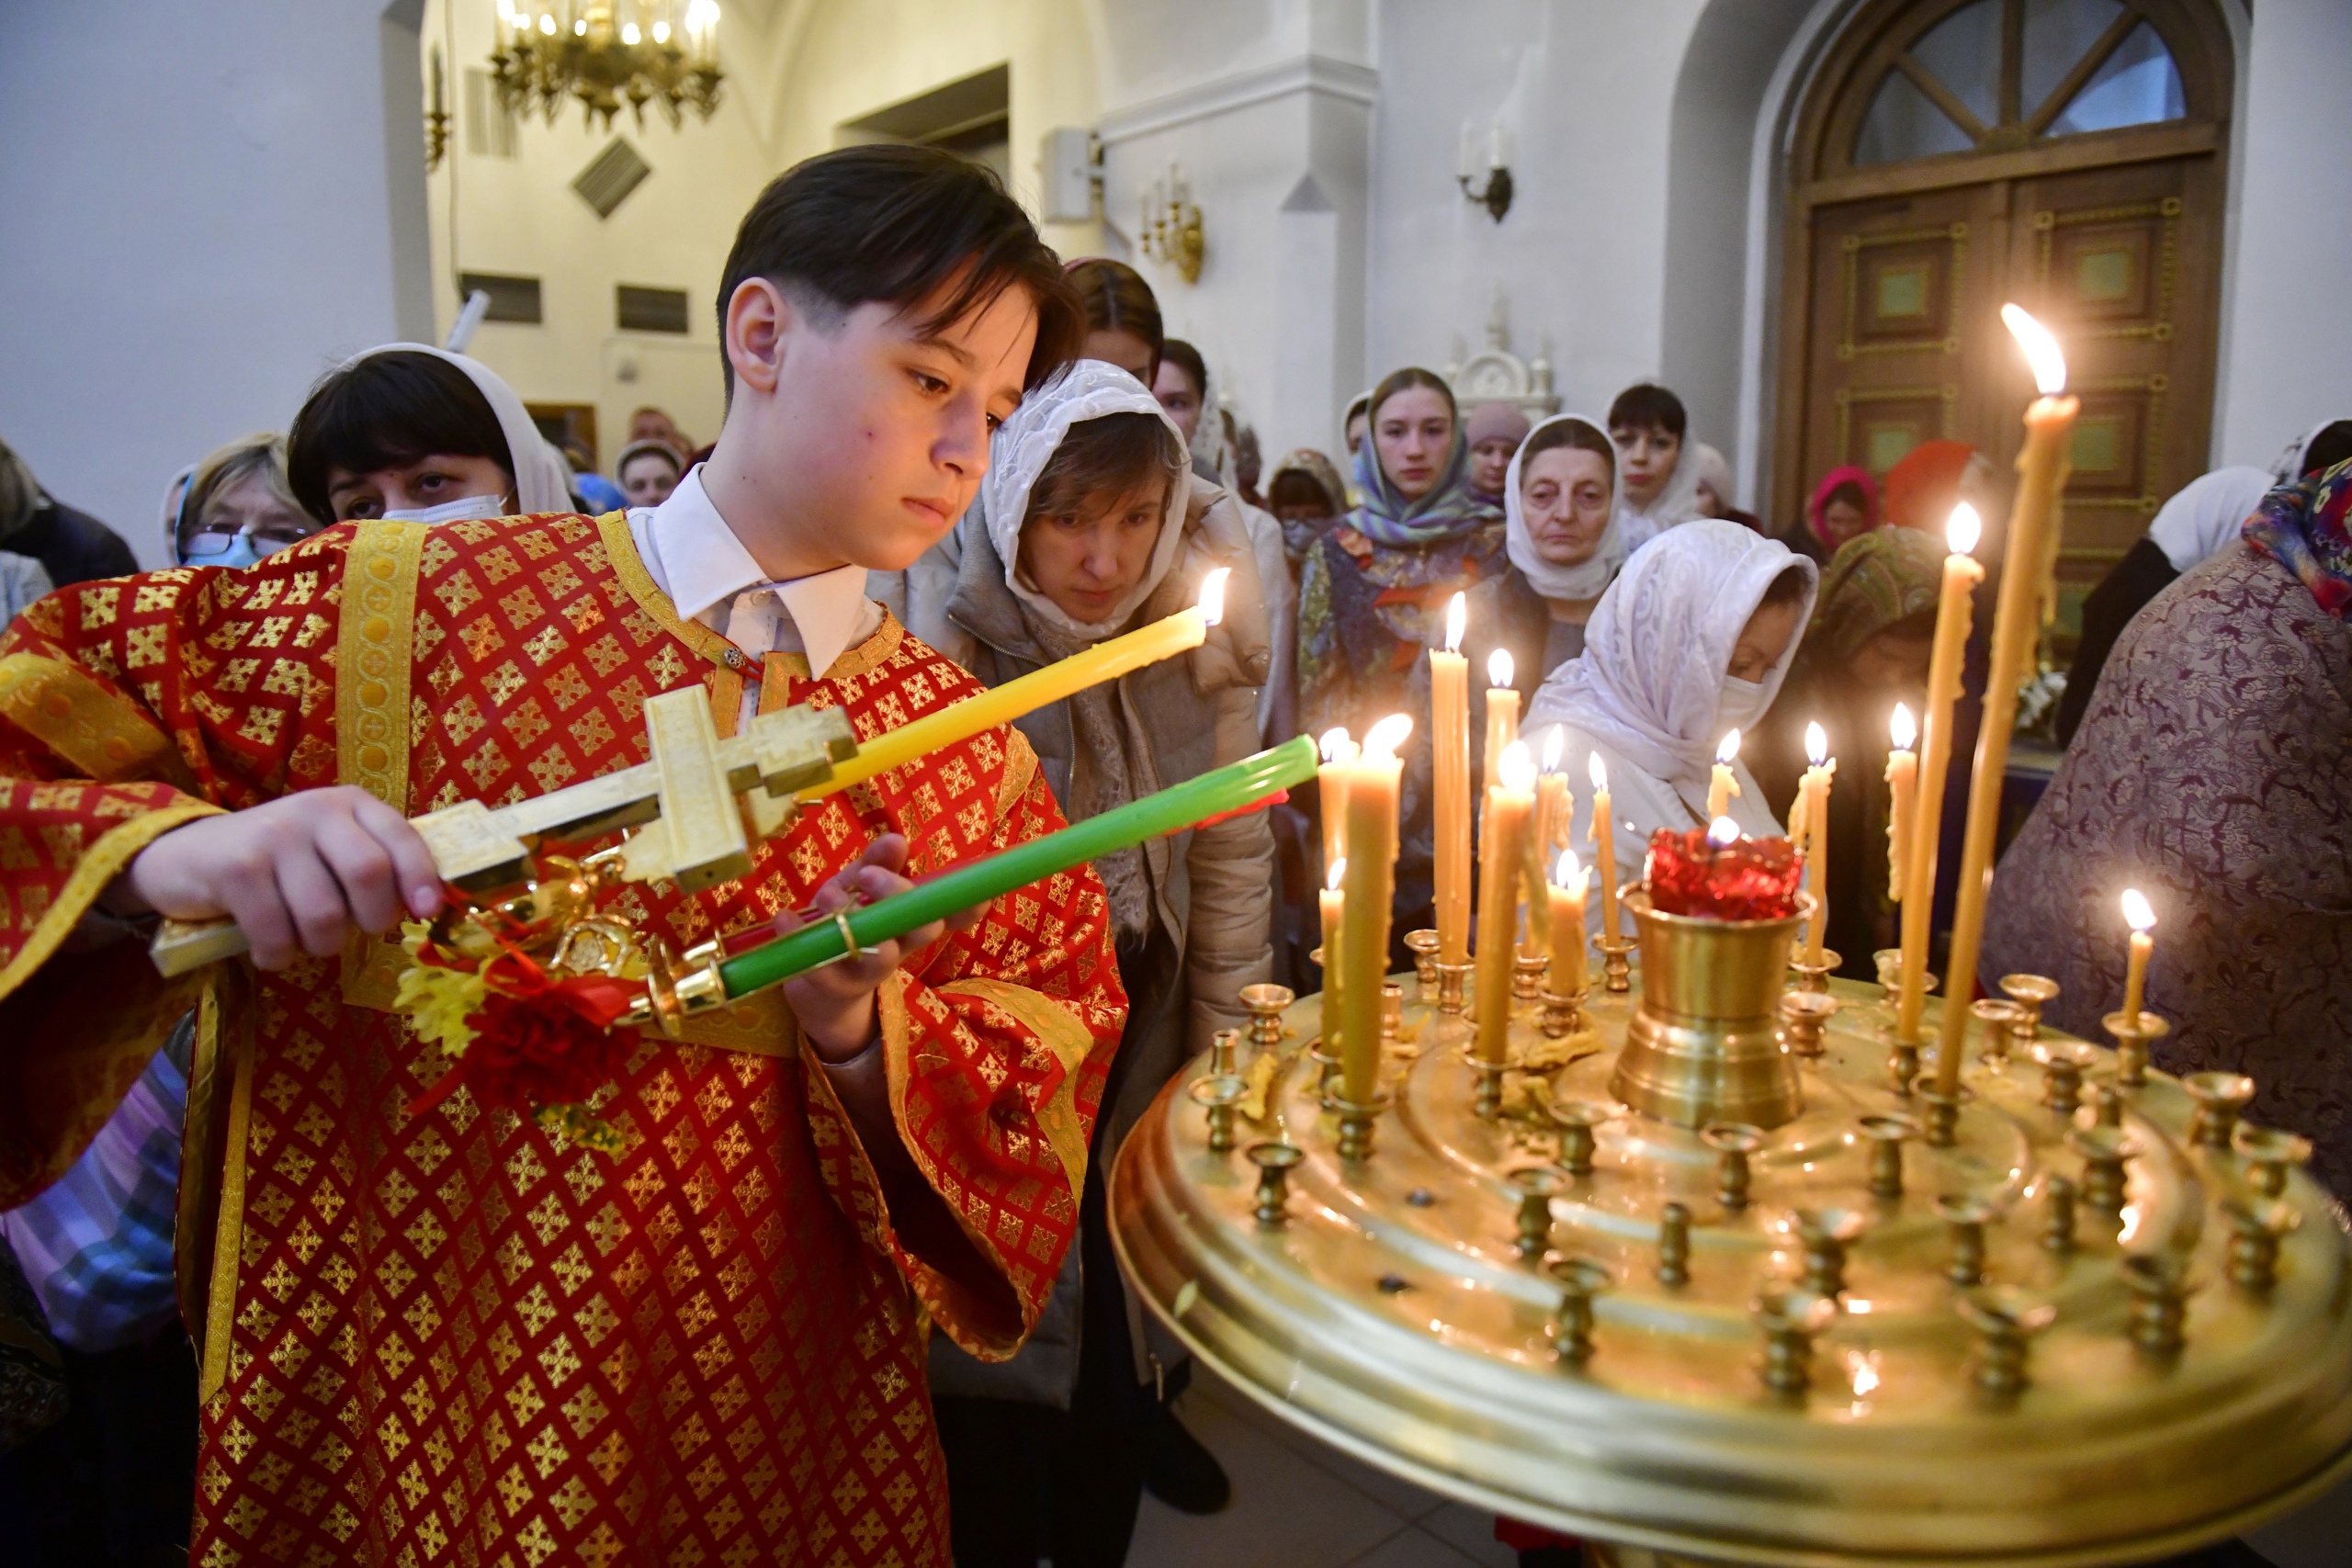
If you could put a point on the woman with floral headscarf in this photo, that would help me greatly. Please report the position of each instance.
(1373, 595)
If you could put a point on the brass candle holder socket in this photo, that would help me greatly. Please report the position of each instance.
(1423, 945)
(1888, 961)
(1563, 1016)
(2005, 1324)
(1356, 1122)
(1221, 1094)
(1576, 1120)
(2031, 993)
(1536, 1185)
(2160, 1289)
(1887, 1134)
(1266, 1004)
(1616, 967)
(2001, 1019)
(1328, 1065)
(1827, 1236)
(1812, 979)
(2256, 1227)
(2220, 1097)
(1392, 1012)
(1580, 1280)
(2133, 1036)
(1967, 1216)
(2058, 1225)
(1674, 1245)
(2064, 1063)
(1902, 1066)
(1941, 1115)
(1736, 1142)
(1790, 1318)
(2268, 1154)
(1452, 980)
(1804, 1015)
(2105, 1151)
(1274, 1162)
(1527, 975)
(1224, 1051)
(1487, 1095)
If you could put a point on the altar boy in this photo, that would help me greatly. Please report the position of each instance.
(448, 1336)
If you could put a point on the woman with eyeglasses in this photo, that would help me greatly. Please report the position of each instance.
(238, 506)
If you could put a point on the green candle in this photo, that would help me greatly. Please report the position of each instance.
(1172, 811)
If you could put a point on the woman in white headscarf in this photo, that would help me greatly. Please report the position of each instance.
(417, 432)
(1693, 640)
(1090, 522)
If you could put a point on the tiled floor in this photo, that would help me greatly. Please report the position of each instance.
(1300, 1504)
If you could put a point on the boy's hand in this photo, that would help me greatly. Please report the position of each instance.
(298, 874)
(835, 1004)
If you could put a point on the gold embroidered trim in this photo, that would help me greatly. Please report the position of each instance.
(1066, 1035)
(99, 865)
(108, 737)
(229, 1230)
(374, 650)
(871, 654)
(1020, 767)
(620, 548)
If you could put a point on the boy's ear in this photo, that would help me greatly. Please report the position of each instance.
(759, 320)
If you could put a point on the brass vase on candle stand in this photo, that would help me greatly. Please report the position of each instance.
(1704, 1042)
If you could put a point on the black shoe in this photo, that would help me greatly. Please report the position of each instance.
(1181, 1472)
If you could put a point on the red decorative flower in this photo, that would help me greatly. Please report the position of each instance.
(1752, 879)
(541, 1050)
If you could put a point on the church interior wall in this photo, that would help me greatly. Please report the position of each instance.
(212, 217)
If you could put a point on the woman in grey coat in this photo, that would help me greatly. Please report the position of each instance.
(1090, 523)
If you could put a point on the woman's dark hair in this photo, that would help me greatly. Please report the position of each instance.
(1412, 375)
(1297, 487)
(1104, 460)
(1788, 588)
(1573, 433)
(383, 411)
(1117, 299)
(1646, 406)
(1851, 494)
(901, 226)
(2329, 447)
(1187, 359)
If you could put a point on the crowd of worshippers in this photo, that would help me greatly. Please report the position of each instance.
(1609, 577)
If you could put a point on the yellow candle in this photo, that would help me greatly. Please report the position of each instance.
(1503, 711)
(1331, 783)
(1816, 853)
(1366, 892)
(1334, 904)
(1549, 834)
(1954, 614)
(2141, 918)
(2043, 467)
(1902, 775)
(1567, 895)
(1450, 757)
(1509, 804)
(1721, 785)
(1176, 634)
(1604, 845)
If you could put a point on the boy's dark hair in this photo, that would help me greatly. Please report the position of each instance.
(1117, 299)
(383, 411)
(898, 225)
(1570, 433)
(1396, 381)
(1648, 406)
(1788, 588)
(1104, 460)
(1187, 359)
(2329, 447)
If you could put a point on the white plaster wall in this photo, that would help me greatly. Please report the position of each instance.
(197, 227)
(2287, 358)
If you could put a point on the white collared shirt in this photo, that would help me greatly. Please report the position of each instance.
(695, 557)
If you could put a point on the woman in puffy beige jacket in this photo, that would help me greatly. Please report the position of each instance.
(1090, 523)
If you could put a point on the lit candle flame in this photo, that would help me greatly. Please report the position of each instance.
(1458, 616)
(2042, 350)
(1381, 745)
(1727, 749)
(1570, 873)
(1816, 744)
(1213, 595)
(1336, 743)
(1598, 769)
(1338, 873)
(2136, 912)
(1498, 668)
(630, 33)
(1723, 833)
(1552, 743)
(1516, 767)
(1963, 529)
(1903, 727)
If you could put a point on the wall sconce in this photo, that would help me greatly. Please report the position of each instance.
(1171, 225)
(1495, 194)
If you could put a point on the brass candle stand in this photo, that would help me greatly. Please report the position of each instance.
(1646, 1283)
(1616, 966)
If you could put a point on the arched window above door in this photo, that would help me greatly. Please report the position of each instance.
(1989, 76)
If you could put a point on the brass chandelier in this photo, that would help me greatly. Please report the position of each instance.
(605, 54)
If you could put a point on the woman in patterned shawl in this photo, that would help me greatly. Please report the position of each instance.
(2213, 772)
(1373, 595)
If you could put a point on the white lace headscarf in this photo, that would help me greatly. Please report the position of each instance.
(1024, 443)
(542, 476)
(1650, 684)
(1589, 577)
(2205, 514)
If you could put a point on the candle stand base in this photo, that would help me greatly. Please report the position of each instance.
(1424, 947)
(2133, 1036)
(1356, 1124)
(1616, 969)
(1813, 975)
(1563, 1016)
(1527, 975)
(1902, 1064)
(1487, 1100)
(1453, 981)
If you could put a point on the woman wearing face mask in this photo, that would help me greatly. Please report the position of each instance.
(419, 434)
(1692, 639)
(236, 507)
(1090, 523)
(1561, 532)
